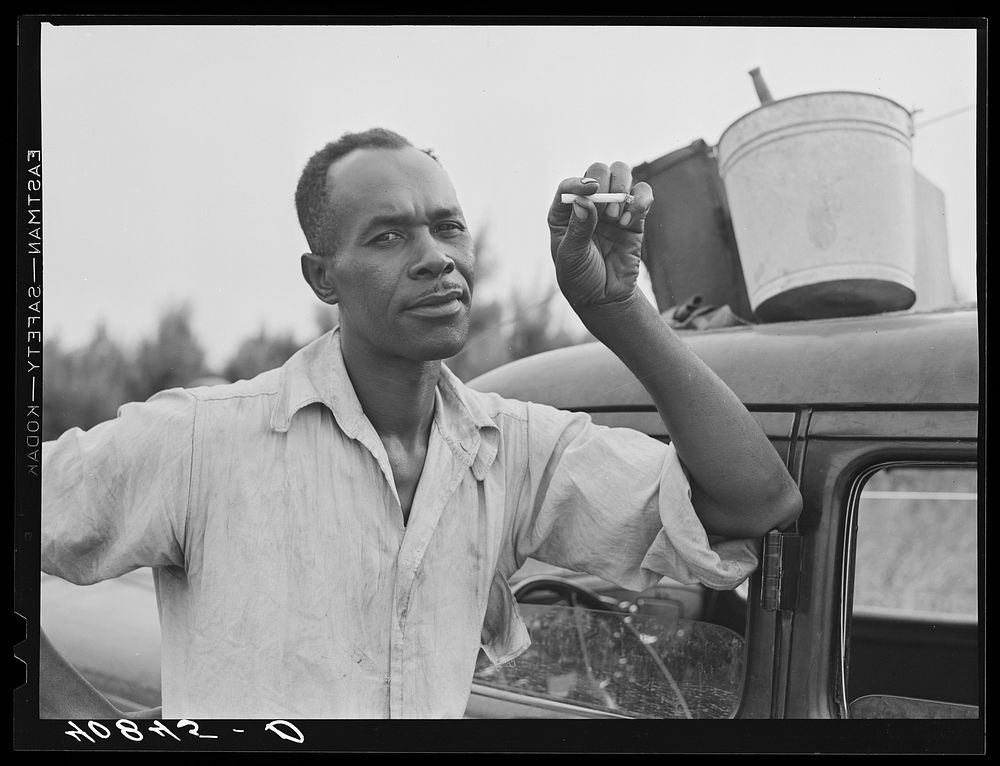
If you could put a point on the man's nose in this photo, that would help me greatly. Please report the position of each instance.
(431, 260)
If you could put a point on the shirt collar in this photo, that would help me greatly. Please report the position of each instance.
(316, 373)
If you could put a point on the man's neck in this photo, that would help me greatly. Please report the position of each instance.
(396, 394)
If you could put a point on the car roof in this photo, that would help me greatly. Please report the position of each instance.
(902, 359)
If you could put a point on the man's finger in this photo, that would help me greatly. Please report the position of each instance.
(600, 172)
(619, 180)
(559, 211)
(636, 207)
(575, 246)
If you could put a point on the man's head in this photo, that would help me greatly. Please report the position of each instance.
(311, 195)
(389, 245)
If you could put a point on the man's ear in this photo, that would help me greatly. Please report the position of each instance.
(315, 269)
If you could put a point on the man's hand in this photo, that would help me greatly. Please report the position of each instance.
(597, 249)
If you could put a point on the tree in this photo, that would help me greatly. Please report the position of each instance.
(173, 358)
(534, 329)
(84, 386)
(510, 325)
(258, 354)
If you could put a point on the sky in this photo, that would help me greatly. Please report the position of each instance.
(171, 153)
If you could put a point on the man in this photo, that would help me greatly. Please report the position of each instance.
(334, 538)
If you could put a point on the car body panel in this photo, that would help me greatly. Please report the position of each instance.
(819, 643)
(895, 360)
(110, 631)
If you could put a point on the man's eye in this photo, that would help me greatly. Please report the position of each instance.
(389, 236)
(450, 228)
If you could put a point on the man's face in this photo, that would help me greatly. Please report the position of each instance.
(403, 261)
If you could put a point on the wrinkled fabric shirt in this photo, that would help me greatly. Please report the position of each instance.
(287, 583)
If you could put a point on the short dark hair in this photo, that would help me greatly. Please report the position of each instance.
(311, 200)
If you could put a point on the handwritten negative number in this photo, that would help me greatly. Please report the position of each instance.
(130, 730)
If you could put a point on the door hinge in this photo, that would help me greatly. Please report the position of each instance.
(780, 573)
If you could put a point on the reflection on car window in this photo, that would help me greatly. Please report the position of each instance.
(916, 541)
(631, 664)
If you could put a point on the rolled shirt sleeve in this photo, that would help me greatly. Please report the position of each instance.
(114, 498)
(616, 503)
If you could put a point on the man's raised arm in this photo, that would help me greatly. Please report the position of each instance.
(739, 485)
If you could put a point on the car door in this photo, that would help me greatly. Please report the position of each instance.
(715, 649)
(887, 491)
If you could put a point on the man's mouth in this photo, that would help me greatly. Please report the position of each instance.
(439, 304)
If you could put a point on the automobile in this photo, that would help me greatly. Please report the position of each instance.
(867, 607)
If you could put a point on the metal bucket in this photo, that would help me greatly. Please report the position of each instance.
(821, 195)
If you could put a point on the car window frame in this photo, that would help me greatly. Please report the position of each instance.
(850, 516)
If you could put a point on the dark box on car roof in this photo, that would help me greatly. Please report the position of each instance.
(689, 246)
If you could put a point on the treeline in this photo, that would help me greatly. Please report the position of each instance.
(86, 385)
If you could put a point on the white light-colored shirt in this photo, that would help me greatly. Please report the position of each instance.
(287, 583)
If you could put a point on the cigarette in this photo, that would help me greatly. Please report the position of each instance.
(615, 197)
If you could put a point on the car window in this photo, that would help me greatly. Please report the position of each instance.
(628, 663)
(913, 648)
(917, 542)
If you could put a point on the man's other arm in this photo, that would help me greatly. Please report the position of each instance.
(114, 499)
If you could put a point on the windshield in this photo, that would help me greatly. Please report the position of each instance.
(637, 665)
